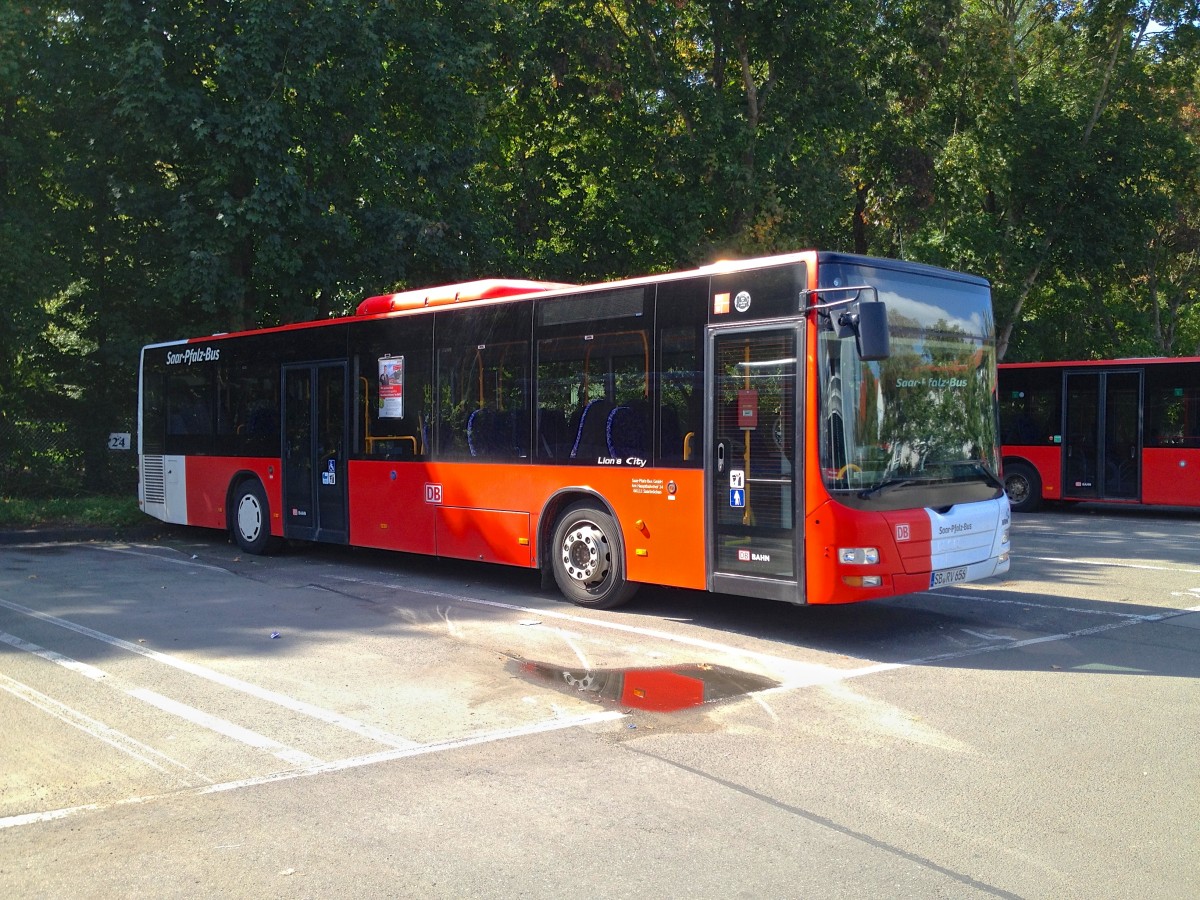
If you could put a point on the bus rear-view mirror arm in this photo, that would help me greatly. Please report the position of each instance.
(867, 322)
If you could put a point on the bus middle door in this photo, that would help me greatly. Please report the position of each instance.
(314, 448)
(1103, 445)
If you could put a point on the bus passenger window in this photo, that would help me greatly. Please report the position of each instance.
(483, 385)
(189, 404)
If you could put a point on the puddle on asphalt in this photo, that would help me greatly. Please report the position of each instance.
(659, 689)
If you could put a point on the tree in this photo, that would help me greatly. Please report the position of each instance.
(634, 136)
(214, 165)
(29, 269)
(1046, 123)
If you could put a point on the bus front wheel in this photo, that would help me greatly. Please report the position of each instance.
(1023, 486)
(586, 558)
(251, 521)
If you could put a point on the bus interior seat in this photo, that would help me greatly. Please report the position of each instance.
(590, 439)
(481, 432)
(625, 433)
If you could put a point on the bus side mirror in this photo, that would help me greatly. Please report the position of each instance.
(870, 326)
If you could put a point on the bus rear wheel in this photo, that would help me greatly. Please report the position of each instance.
(250, 524)
(586, 558)
(1023, 486)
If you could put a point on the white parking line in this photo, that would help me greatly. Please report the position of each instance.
(65, 661)
(224, 727)
(325, 715)
(983, 595)
(98, 730)
(335, 766)
(984, 636)
(182, 710)
(1102, 563)
(157, 557)
(1051, 638)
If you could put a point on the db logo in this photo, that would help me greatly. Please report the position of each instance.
(743, 556)
(433, 493)
(902, 533)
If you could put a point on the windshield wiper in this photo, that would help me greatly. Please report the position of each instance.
(886, 487)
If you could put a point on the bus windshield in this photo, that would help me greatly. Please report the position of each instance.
(919, 427)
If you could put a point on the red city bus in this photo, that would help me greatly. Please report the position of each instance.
(743, 428)
(1111, 431)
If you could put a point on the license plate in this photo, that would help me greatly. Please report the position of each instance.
(943, 577)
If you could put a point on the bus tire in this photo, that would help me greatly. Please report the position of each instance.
(250, 524)
(1023, 486)
(586, 558)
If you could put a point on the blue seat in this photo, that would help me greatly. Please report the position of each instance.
(625, 433)
(591, 440)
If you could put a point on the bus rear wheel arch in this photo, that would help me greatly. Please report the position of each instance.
(1023, 486)
(587, 558)
(250, 517)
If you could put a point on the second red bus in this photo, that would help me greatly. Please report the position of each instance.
(1123, 431)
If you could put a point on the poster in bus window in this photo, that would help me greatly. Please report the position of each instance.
(391, 387)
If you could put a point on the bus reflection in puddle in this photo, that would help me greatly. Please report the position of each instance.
(661, 689)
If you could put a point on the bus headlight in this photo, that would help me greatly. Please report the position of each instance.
(858, 556)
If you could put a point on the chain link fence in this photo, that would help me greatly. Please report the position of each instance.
(44, 458)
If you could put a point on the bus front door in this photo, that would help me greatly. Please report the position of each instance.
(314, 452)
(1102, 445)
(754, 537)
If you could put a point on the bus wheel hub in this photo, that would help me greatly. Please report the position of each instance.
(249, 517)
(582, 555)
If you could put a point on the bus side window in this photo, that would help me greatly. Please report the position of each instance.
(392, 395)
(247, 409)
(483, 385)
(594, 378)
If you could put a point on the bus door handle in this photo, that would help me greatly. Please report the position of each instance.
(722, 453)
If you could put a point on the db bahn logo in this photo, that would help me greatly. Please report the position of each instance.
(902, 533)
(433, 493)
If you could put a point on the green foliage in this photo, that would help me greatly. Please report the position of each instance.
(633, 137)
(83, 511)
